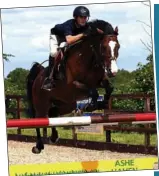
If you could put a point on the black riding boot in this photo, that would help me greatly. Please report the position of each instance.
(48, 82)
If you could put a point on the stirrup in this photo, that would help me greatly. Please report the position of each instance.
(48, 86)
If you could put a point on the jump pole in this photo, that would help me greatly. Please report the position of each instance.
(79, 120)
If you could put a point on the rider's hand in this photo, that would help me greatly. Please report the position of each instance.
(87, 32)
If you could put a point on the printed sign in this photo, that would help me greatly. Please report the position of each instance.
(91, 129)
(82, 167)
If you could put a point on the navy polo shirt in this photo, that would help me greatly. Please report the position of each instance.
(67, 28)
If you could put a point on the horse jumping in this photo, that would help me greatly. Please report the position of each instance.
(85, 65)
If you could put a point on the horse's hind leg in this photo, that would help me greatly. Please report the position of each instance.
(54, 136)
(39, 144)
(53, 112)
(41, 112)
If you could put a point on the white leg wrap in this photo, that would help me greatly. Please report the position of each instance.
(53, 45)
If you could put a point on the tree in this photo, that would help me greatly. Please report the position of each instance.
(144, 79)
(5, 56)
(148, 45)
(15, 83)
(122, 82)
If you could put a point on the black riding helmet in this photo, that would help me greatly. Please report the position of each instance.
(81, 11)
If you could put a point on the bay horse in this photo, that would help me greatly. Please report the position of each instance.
(85, 65)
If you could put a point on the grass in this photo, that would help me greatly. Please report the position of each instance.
(56, 173)
(117, 137)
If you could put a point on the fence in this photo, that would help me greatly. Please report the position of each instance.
(146, 129)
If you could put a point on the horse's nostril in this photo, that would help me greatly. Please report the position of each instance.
(110, 73)
(114, 73)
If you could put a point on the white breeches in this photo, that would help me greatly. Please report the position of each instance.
(53, 45)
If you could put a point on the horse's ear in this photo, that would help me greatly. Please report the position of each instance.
(116, 30)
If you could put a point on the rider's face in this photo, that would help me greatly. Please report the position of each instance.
(81, 20)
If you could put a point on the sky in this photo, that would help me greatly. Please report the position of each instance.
(25, 32)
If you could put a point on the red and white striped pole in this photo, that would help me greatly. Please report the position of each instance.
(79, 120)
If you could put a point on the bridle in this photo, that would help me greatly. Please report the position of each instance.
(107, 61)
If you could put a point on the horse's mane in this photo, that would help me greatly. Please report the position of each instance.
(103, 25)
(94, 24)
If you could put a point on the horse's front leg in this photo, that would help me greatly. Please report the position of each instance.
(108, 87)
(93, 105)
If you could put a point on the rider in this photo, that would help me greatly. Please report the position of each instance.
(69, 32)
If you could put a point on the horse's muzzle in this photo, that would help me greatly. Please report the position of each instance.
(110, 73)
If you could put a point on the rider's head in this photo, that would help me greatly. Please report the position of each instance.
(81, 15)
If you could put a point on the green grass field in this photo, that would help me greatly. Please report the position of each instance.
(118, 137)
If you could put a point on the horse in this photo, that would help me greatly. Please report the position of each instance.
(86, 65)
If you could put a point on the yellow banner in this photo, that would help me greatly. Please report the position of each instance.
(83, 167)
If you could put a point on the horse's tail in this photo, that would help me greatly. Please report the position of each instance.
(34, 71)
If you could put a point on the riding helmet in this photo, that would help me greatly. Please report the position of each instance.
(81, 11)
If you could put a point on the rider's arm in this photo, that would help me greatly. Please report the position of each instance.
(71, 39)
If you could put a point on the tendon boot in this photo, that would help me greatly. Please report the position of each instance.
(107, 85)
(105, 102)
(93, 93)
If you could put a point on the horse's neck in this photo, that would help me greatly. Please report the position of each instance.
(82, 58)
(103, 25)
(90, 51)
(98, 24)
(83, 52)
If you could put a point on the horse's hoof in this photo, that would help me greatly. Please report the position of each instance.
(53, 141)
(90, 108)
(35, 150)
(78, 112)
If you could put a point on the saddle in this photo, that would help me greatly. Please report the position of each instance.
(63, 50)
(60, 61)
